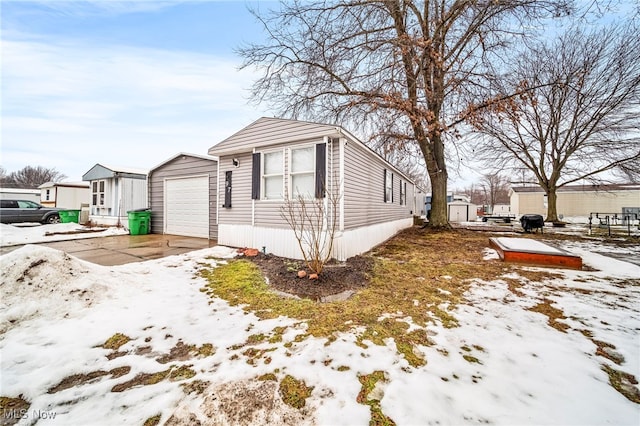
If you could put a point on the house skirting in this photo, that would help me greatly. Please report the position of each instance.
(110, 220)
(282, 241)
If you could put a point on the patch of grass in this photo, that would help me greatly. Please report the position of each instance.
(81, 379)
(277, 334)
(152, 421)
(409, 268)
(114, 342)
(369, 382)
(471, 359)
(294, 392)
(197, 386)
(145, 379)
(206, 350)
(343, 368)
(624, 383)
(553, 315)
(607, 350)
(9, 406)
(268, 377)
(254, 355)
(181, 373)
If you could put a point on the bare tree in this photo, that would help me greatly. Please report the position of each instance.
(32, 177)
(402, 69)
(496, 189)
(314, 222)
(579, 120)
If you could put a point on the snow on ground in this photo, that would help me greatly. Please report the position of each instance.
(503, 365)
(12, 235)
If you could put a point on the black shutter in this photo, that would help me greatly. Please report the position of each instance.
(392, 188)
(321, 169)
(384, 185)
(405, 193)
(227, 190)
(255, 177)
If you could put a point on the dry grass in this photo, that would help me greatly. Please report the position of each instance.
(418, 276)
(553, 314)
(294, 392)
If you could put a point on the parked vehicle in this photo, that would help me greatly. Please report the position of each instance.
(16, 211)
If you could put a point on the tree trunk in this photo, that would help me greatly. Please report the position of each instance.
(552, 209)
(437, 168)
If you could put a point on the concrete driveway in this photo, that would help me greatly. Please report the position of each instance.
(121, 249)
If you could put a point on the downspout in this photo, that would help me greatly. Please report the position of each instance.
(342, 144)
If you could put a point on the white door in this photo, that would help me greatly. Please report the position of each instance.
(186, 208)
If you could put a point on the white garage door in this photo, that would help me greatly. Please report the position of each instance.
(187, 206)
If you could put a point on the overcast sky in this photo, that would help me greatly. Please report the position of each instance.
(125, 83)
(121, 83)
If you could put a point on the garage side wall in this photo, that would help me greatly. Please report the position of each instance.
(182, 166)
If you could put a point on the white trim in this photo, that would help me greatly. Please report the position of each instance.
(282, 242)
(263, 154)
(290, 174)
(186, 154)
(343, 142)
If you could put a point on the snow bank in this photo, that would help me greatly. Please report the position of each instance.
(11, 235)
(40, 281)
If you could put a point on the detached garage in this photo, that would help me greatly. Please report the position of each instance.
(182, 196)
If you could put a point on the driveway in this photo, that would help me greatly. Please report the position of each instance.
(121, 249)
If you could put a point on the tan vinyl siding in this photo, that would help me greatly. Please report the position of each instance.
(182, 166)
(364, 190)
(576, 203)
(240, 211)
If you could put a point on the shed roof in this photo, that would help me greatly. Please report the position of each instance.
(65, 184)
(183, 154)
(100, 171)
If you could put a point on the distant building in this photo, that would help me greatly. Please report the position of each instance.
(20, 194)
(577, 200)
(64, 195)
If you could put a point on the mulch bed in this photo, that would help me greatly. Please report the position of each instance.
(336, 277)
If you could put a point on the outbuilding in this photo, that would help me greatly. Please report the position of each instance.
(20, 194)
(115, 191)
(65, 195)
(183, 196)
(462, 211)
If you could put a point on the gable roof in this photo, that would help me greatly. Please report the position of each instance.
(183, 154)
(268, 131)
(100, 171)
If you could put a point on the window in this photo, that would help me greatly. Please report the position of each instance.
(403, 193)
(303, 172)
(48, 195)
(306, 173)
(272, 176)
(98, 193)
(27, 204)
(388, 187)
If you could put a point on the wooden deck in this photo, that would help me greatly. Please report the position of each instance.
(525, 250)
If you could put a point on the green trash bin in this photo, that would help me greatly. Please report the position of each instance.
(69, 216)
(139, 221)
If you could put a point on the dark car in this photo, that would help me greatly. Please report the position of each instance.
(14, 211)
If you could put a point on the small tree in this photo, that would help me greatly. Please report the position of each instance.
(314, 222)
